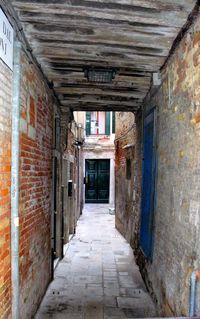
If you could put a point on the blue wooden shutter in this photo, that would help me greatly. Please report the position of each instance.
(107, 130)
(88, 123)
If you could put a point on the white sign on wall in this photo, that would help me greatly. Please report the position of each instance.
(6, 40)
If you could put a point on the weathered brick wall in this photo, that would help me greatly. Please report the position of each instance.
(5, 180)
(128, 147)
(71, 201)
(138, 180)
(35, 188)
(177, 216)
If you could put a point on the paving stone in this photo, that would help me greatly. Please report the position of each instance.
(140, 304)
(123, 273)
(98, 277)
(115, 313)
(110, 301)
(93, 311)
(111, 292)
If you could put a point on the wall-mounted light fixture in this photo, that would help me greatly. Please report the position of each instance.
(99, 75)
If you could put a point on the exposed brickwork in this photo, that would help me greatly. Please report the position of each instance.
(124, 187)
(128, 147)
(69, 155)
(177, 217)
(138, 181)
(35, 188)
(5, 180)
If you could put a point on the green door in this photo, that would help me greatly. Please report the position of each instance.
(97, 181)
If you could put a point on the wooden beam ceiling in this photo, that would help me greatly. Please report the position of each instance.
(132, 36)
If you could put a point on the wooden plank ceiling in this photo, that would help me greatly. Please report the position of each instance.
(133, 36)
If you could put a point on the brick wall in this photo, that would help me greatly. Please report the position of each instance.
(123, 186)
(5, 180)
(177, 216)
(35, 188)
(69, 155)
(128, 147)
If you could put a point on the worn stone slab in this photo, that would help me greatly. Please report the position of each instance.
(95, 287)
(93, 311)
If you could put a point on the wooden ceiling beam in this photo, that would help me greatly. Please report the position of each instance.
(168, 5)
(137, 14)
(96, 48)
(117, 86)
(115, 36)
(107, 100)
(107, 108)
(104, 63)
(64, 21)
(132, 36)
(98, 55)
(127, 93)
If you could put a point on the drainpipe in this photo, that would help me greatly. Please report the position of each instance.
(15, 182)
(193, 280)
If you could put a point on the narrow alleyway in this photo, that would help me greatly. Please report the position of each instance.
(97, 278)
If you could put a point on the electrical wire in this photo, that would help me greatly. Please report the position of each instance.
(125, 134)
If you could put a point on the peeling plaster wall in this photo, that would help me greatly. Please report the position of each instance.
(177, 215)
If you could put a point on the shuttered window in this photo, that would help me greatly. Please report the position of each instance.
(88, 123)
(107, 131)
(113, 122)
(97, 123)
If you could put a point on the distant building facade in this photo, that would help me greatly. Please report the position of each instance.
(98, 157)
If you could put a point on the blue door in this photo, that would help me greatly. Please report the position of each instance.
(148, 186)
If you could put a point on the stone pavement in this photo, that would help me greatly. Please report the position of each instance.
(98, 278)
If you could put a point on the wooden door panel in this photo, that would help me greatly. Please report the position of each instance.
(97, 181)
(91, 181)
(148, 187)
(103, 180)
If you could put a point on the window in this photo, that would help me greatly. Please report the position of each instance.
(57, 133)
(97, 123)
(128, 168)
(113, 122)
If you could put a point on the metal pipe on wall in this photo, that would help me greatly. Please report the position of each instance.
(193, 281)
(192, 293)
(15, 180)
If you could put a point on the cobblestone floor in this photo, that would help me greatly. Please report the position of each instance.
(98, 278)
